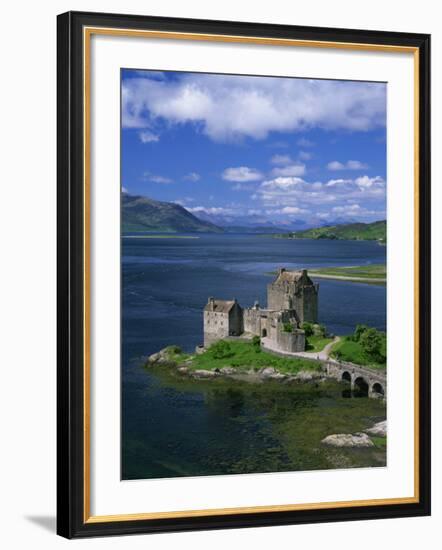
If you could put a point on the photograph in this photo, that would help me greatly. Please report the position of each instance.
(253, 274)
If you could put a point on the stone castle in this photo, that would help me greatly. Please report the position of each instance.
(292, 299)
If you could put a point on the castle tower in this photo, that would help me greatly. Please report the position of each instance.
(294, 290)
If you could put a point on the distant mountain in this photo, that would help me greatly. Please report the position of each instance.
(144, 214)
(250, 223)
(260, 229)
(375, 231)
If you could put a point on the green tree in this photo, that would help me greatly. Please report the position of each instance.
(359, 331)
(373, 342)
(221, 350)
(307, 328)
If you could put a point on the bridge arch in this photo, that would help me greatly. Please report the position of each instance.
(378, 388)
(346, 377)
(360, 387)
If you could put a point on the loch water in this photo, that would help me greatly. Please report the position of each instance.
(173, 427)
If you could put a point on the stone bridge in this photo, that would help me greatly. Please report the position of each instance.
(374, 383)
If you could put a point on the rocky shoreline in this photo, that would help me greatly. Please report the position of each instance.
(250, 375)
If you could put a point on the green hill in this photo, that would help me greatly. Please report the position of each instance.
(144, 214)
(375, 231)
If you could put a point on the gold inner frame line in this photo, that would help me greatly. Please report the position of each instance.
(87, 34)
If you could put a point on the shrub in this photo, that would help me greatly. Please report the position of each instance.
(221, 350)
(373, 342)
(320, 330)
(307, 328)
(256, 341)
(359, 331)
(287, 327)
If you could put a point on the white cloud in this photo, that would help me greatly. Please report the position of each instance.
(159, 179)
(338, 182)
(124, 189)
(364, 185)
(184, 201)
(292, 210)
(297, 192)
(365, 182)
(282, 183)
(214, 210)
(356, 211)
(297, 169)
(303, 155)
(349, 165)
(303, 142)
(335, 165)
(147, 176)
(241, 174)
(146, 136)
(242, 187)
(227, 107)
(281, 160)
(352, 208)
(192, 176)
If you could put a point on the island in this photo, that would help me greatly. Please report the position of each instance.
(282, 341)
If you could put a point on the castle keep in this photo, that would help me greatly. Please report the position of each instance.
(292, 299)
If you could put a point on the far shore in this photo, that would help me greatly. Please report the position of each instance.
(154, 236)
(347, 278)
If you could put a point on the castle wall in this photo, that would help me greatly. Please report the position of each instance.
(301, 297)
(290, 341)
(278, 297)
(220, 325)
(216, 327)
(308, 304)
(252, 321)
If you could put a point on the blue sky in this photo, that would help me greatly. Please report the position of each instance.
(245, 149)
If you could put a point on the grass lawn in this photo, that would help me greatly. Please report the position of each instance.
(375, 271)
(243, 356)
(351, 351)
(317, 343)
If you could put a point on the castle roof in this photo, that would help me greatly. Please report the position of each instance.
(292, 276)
(220, 306)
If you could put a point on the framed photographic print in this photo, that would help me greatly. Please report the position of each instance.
(243, 274)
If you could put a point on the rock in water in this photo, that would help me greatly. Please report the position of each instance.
(204, 374)
(267, 372)
(306, 376)
(348, 440)
(378, 429)
(227, 370)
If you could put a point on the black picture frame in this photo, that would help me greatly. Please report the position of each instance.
(71, 520)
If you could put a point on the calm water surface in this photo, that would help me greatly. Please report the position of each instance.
(173, 427)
